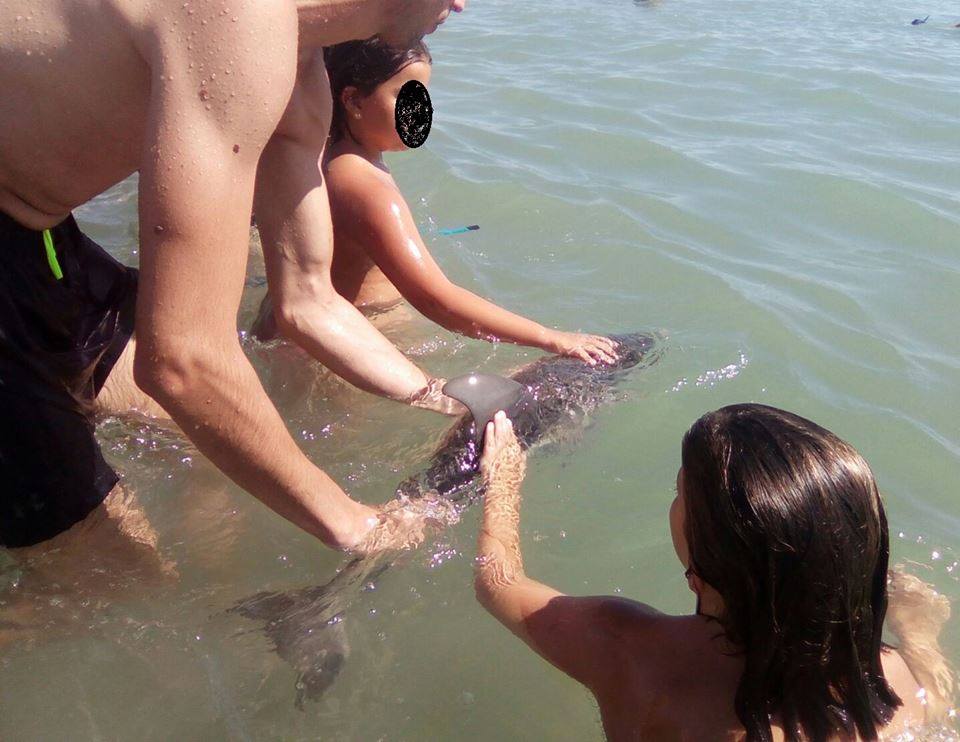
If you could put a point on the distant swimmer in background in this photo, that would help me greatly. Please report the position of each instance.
(379, 257)
(782, 533)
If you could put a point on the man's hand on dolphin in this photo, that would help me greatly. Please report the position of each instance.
(402, 523)
(432, 397)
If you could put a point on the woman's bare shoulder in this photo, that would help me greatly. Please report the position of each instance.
(355, 183)
(905, 685)
(666, 666)
(347, 165)
(645, 626)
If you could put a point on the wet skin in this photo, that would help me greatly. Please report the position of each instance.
(647, 670)
(214, 106)
(304, 626)
(379, 255)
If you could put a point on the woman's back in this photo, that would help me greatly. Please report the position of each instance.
(677, 676)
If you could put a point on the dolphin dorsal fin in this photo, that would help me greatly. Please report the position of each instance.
(484, 395)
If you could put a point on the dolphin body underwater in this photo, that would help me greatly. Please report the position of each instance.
(556, 394)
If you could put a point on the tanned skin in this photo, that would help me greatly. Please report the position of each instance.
(379, 256)
(215, 104)
(647, 670)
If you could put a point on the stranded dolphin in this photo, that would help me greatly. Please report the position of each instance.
(550, 395)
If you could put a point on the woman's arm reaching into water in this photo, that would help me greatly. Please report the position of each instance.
(371, 212)
(578, 635)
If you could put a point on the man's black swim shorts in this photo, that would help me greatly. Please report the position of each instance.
(59, 338)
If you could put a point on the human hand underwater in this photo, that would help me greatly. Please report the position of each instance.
(391, 527)
(402, 524)
(589, 348)
(503, 462)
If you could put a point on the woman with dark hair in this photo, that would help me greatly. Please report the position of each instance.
(783, 536)
(379, 258)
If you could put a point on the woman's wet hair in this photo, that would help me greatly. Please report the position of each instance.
(365, 65)
(784, 521)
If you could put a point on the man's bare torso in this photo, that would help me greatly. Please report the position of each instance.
(77, 78)
(80, 80)
(76, 88)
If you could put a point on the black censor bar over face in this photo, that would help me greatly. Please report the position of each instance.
(413, 114)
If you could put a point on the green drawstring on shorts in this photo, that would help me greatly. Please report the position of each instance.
(52, 255)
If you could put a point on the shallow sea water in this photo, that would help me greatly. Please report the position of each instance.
(773, 185)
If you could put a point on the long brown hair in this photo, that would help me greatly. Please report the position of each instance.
(784, 521)
(365, 65)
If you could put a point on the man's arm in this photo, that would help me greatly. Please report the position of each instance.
(577, 635)
(214, 104)
(293, 216)
(398, 22)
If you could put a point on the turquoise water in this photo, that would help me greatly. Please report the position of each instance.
(773, 185)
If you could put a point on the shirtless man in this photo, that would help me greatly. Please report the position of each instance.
(218, 105)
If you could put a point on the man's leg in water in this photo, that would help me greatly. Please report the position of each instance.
(120, 393)
(114, 545)
(104, 556)
(265, 325)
